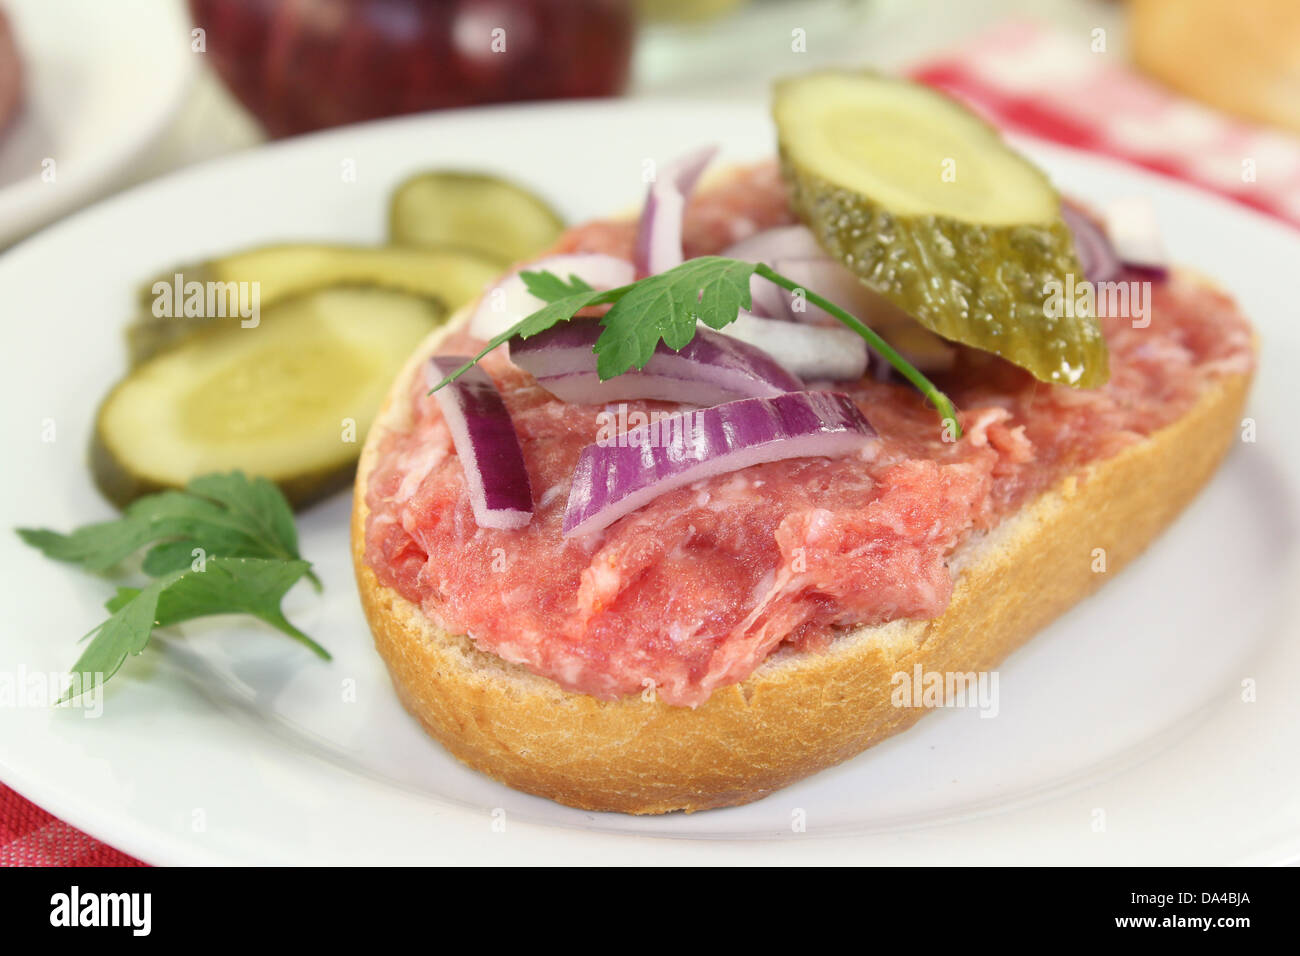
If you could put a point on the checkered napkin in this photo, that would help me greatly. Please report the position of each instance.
(31, 837)
(1033, 79)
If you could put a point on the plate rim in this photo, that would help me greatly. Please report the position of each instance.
(23, 206)
(155, 842)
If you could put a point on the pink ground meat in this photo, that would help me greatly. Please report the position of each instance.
(694, 590)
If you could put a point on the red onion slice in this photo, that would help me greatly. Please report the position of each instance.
(659, 233)
(780, 242)
(812, 352)
(709, 369)
(1135, 233)
(613, 479)
(486, 443)
(509, 300)
(770, 246)
(794, 252)
(831, 281)
(1096, 254)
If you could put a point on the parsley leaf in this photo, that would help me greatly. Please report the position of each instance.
(226, 515)
(96, 547)
(241, 528)
(548, 287)
(668, 306)
(225, 586)
(558, 310)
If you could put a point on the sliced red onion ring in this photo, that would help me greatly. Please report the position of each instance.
(659, 234)
(1135, 233)
(770, 246)
(509, 300)
(613, 479)
(780, 242)
(770, 300)
(794, 252)
(831, 281)
(818, 346)
(812, 352)
(710, 368)
(1096, 254)
(486, 443)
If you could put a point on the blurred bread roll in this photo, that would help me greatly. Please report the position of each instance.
(1241, 56)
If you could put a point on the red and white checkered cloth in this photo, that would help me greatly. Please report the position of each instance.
(1023, 77)
(1033, 79)
(31, 837)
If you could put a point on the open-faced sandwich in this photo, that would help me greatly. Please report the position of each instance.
(719, 475)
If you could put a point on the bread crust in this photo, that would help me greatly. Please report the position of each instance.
(798, 713)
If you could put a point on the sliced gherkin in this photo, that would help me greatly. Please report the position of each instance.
(451, 276)
(290, 399)
(925, 203)
(475, 210)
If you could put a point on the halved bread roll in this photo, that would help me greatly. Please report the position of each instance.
(799, 712)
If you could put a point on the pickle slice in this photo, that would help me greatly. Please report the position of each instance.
(452, 276)
(923, 201)
(290, 399)
(473, 210)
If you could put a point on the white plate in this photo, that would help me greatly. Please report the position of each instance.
(100, 80)
(233, 745)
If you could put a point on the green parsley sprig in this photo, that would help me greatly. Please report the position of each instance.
(668, 306)
(227, 544)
